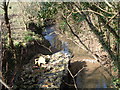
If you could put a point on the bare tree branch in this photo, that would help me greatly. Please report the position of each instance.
(8, 3)
(108, 3)
(78, 72)
(93, 12)
(96, 31)
(107, 25)
(103, 21)
(44, 46)
(73, 79)
(111, 19)
(1, 6)
(76, 35)
(102, 9)
(5, 84)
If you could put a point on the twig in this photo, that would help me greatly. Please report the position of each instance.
(47, 48)
(44, 46)
(72, 78)
(111, 19)
(68, 84)
(108, 3)
(8, 3)
(102, 9)
(78, 72)
(70, 72)
(1, 7)
(93, 12)
(5, 84)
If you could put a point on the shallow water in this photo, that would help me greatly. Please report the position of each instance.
(50, 35)
(93, 77)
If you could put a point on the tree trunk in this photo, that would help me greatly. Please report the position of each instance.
(10, 42)
(10, 60)
(118, 44)
(0, 54)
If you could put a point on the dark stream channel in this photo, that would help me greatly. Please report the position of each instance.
(99, 80)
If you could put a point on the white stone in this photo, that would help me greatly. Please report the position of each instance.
(90, 60)
(40, 60)
(48, 56)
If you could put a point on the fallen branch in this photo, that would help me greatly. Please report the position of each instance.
(5, 84)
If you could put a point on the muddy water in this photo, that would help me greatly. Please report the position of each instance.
(92, 76)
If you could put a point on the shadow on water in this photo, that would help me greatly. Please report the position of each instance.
(67, 82)
(86, 79)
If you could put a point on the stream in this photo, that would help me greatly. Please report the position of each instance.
(93, 75)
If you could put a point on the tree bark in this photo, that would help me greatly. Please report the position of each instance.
(118, 44)
(0, 54)
(5, 5)
(10, 43)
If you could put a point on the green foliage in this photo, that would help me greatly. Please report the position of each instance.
(62, 24)
(115, 69)
(17, 44)
(116, 82)
(29, 38)
(77, 17)
(48, 10)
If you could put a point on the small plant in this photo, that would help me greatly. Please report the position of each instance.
(116, 82)
(17, 44)
(28, 38)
